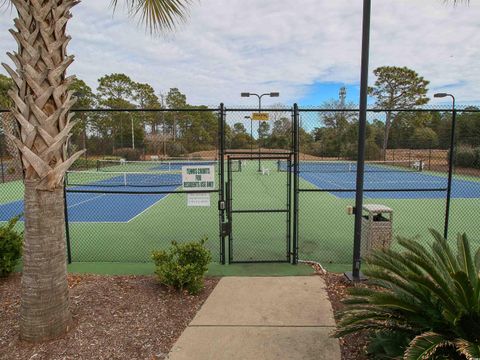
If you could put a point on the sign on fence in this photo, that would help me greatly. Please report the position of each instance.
(197, 178)
(198, 199)
(260, 116)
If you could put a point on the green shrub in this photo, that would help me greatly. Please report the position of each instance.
(111, 157)
(128, 154)
(183, 266)
(10, 247)
(82, 163)
(467, 156)
(372, 150)
(428, 299)
(175, 149)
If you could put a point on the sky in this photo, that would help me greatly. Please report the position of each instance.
(304, 49)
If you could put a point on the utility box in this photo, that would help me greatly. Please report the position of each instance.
(376, 228)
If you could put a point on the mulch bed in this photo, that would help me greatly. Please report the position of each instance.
(352, 346)
(115, 317)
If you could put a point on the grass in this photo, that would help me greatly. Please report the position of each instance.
(214, 269)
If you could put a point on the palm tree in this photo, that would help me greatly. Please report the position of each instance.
(41, 108)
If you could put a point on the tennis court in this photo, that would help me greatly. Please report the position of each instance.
(383, 180)
(147, 211)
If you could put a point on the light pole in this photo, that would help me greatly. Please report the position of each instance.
(248, 94)
(355, 275)
(451, 157)
(251, 133)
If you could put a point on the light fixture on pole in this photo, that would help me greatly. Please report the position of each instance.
(451, 158)
(259, 96)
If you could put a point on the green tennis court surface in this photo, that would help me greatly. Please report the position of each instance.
(325, 230)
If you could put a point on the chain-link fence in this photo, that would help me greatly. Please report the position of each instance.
(259, 198)
(126, 197)
(405, 172)
(284, 180)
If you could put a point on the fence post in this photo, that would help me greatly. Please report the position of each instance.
(355, 274)
(1, 157)
(296, 147)
(67, 227)
(451, 159)
(221, 155)
(430, 159)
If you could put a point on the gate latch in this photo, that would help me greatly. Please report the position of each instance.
(226, 229)
(221, 205)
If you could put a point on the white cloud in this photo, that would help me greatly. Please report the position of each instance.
(229, 46)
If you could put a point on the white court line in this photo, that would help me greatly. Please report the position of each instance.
(97, 222)
(155, 203)
(85, 201)
(332, 182)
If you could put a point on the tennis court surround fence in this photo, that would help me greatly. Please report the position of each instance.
(281, 187)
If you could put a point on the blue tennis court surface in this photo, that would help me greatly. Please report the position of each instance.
(398, 179)
(338, 179)
(422, 184)
(98, 207)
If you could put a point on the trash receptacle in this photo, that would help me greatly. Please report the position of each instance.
(376, 228)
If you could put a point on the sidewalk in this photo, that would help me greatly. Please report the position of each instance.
(261, 318)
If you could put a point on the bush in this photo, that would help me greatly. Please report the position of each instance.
(112, 158)
(128, 154)
(10, 247)
(467, 156)
(372, 150)
(426, 299)
(175, 149)
(183, 266)
(82, 163)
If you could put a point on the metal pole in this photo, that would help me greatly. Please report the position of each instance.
(1, 158)
(451, 159)
(259, 142)
(221, 156)
(355, 275)
(251, 136)
(67, 227)
(296, 147)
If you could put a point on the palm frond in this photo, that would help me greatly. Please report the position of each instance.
(477, 261)
(450, 260)
(465, 291)
(424, 346)
(465, 259)
(470, 350)
(157, 15)
(401, 283)
(370, 325)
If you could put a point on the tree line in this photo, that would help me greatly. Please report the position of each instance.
(330, 133)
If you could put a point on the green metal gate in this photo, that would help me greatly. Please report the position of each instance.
(258, 209)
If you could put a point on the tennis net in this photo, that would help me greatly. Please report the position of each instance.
(156, 165)
(322, 166)
(124, 179)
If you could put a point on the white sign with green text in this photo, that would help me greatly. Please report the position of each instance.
(198, 178)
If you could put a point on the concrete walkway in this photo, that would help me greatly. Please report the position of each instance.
(262, 318)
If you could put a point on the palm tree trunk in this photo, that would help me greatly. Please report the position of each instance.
(41, 108)
(44, 312)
